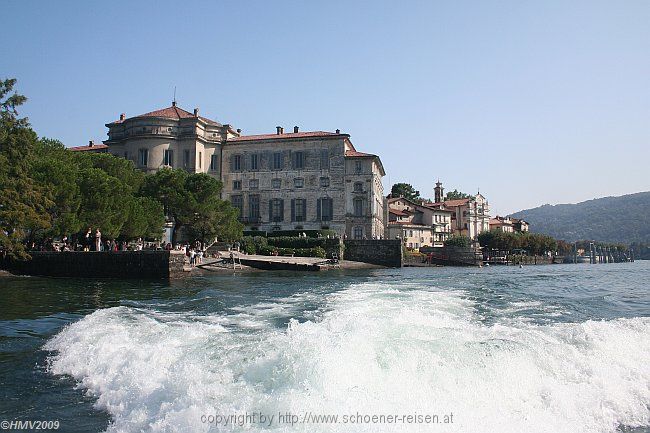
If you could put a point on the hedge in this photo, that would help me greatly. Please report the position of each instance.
(296, 252)
(291, 233)
(252, 245)
(293, 242)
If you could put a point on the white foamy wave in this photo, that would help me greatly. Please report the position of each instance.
(371, 352)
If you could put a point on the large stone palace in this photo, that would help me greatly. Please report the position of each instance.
(281, 181)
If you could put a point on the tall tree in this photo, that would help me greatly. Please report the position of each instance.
(192, 200)
(23, 203)
(405, 190)
(145, 219)
(456, 195)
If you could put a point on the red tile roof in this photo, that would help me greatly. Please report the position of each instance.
(288, 135)
(497, 221)
(355, 154)
(454, 203)
(398, 212)
(172, 112)
(98, 146)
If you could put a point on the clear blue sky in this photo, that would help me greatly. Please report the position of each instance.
(532, 101)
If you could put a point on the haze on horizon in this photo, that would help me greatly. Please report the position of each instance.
(532, 102)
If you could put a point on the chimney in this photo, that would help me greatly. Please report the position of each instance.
(238, 130)
(338, 131)
(91, 143)
(295, 129)
(196, 112)
(122, 116)
(279, 130)
(174, 103)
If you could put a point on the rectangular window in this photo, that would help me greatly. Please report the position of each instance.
(358, 187)
(168, 158)
(236, 184)
(200, 160)
(276, 183)
(324, 159)
(237, 203)
(143, 157)
(236, 163)
(298, 182)
(358, 207)
(358, 232)
(325, 209)
(253, 184)
(324, 182)
(298, 209)
(357, 166)
(186, 158)
(277, 161)
(214, 162)
(276, 210)
(254, 162)
(254, 207)
(298, 160)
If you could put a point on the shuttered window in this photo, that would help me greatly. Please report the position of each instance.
(276, 210)
(324, 159)
(235, 163)
(298, 209)
(237, 203)
(278, 163)
(254, 207)
(298, 160)
(325, 209)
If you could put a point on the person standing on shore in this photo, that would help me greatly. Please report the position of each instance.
(98, 240)
(87, 240)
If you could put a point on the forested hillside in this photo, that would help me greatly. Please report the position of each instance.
(624, 219)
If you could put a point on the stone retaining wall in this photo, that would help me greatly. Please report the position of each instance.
(118, 264)
(378, 252)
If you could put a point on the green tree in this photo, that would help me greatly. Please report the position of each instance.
(457, 241)
(56, 170)
(405, 190)
(486, 239)
(105, 202)
(456, 195)
(23, 203)
(192, 200)
(145, 219)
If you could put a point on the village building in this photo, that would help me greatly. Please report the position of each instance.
(417, 224)
(304, 181)
(282, 181)
(508, 224)
(520, 225)
(470, 216)
(502, 224)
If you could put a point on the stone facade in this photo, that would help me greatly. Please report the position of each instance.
(105, 264)
(170, 137)
(470, 216)
(387, 252)
(282, 181)
(502, 224)
(417, 224)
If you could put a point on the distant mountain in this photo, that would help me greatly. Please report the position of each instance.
(624, 219)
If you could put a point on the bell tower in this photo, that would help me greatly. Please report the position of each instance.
(438, 192)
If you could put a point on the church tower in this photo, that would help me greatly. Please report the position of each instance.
(438, 192)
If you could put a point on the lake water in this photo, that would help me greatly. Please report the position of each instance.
(563, 348)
